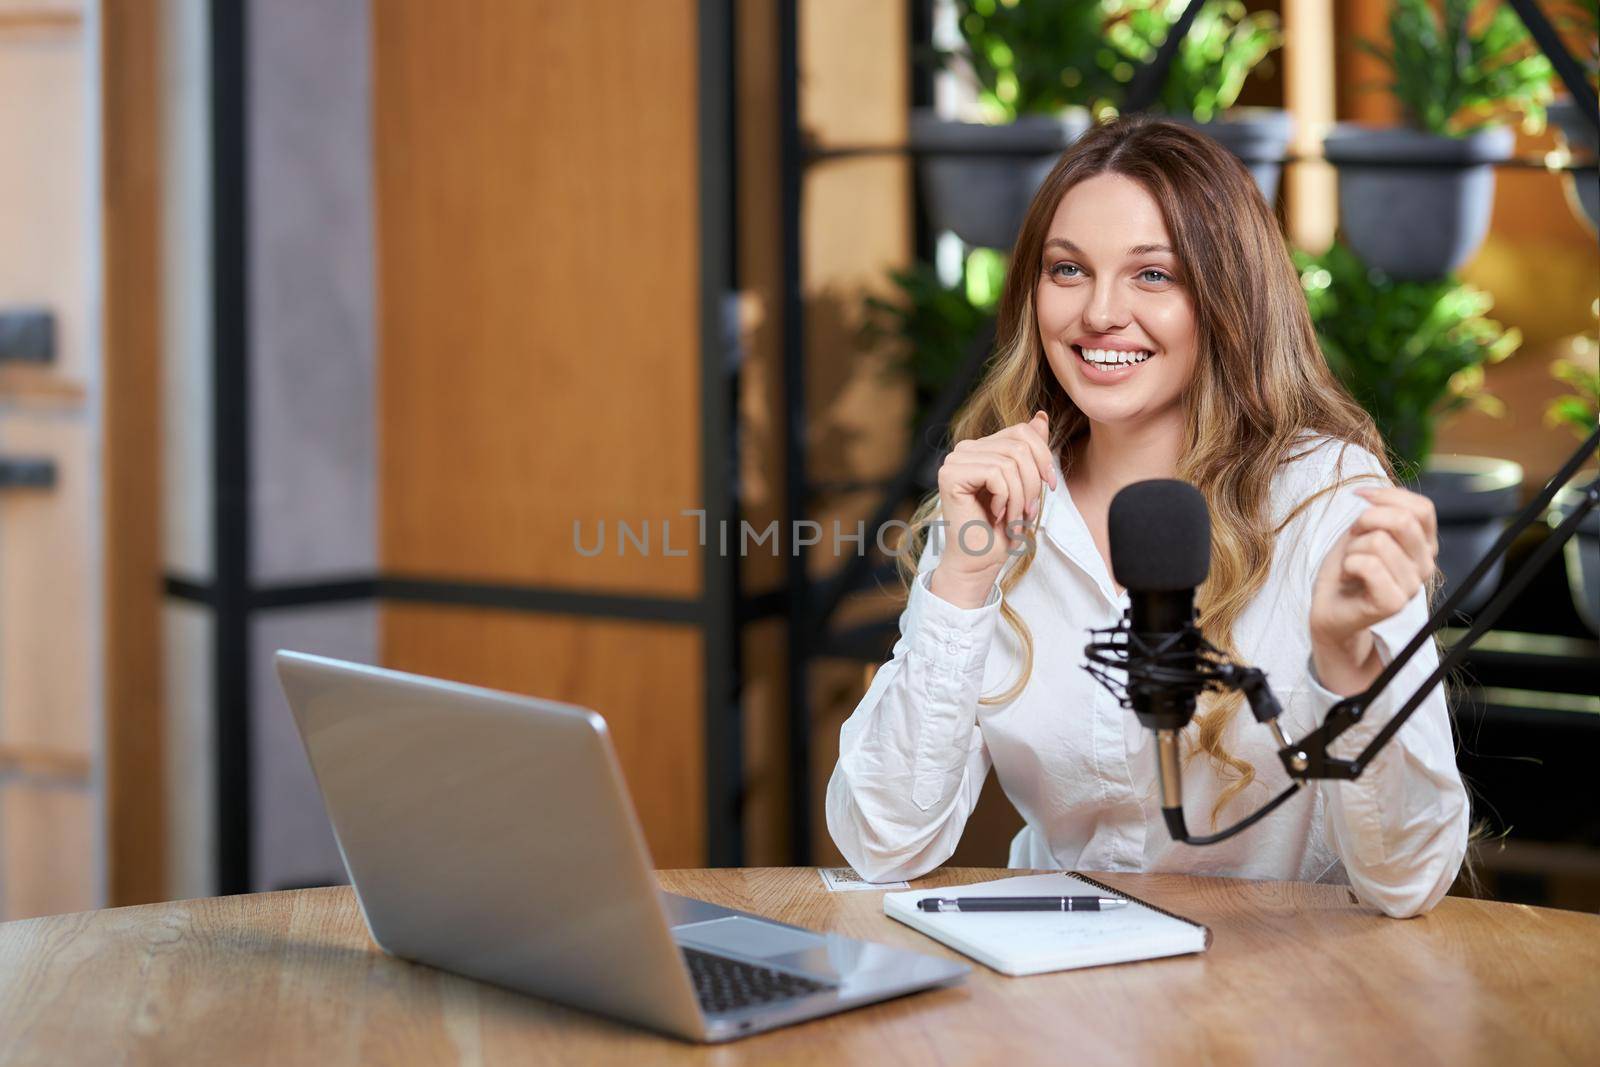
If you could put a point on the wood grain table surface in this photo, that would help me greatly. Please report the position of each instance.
(1296, 974)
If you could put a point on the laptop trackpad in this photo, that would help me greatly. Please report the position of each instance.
(746, 937)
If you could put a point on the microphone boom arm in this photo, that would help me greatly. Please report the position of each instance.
(1310, 758)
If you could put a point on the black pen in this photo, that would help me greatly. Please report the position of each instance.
(1021, 903)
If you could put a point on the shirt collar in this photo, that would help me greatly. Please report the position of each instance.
(1064, 526)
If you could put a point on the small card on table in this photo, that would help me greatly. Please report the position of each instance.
(846, 880)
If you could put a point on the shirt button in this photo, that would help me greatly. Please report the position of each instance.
(953, 648)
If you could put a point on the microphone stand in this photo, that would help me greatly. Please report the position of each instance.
(1309, 759)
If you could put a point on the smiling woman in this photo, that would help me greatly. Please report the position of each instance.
(1152, 326)
(1105, 306)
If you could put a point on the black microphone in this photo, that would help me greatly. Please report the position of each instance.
(1160, 534)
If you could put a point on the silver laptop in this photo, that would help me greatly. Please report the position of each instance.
(491, 835)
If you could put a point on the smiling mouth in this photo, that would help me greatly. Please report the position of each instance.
(1107, 358)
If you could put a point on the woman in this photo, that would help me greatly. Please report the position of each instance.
(1152, 327)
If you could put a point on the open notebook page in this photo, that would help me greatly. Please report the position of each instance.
(1024, 942)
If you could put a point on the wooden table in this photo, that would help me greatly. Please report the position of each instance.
(1296, 973)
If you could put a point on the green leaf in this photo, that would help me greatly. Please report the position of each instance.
(1409, 352)
(1450, 80)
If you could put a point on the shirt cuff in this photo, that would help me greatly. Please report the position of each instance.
(944, 633)
(1388, 637)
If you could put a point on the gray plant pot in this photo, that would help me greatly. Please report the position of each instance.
(983, 198)
(1582, 552)
(1259, 136)
(1417, 222)
(1583, 187)
(1473, 496)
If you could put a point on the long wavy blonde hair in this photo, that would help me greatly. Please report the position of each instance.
(1260, 380)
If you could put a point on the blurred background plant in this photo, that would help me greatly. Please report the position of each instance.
(933, 326)
(1033, 57)
(1409, 352)
(1039, 56)
(1452, 79)
(1578, 410)
(1223, 46)
(1579, 21)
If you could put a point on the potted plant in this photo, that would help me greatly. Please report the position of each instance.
(1425, 220)
(934, 325)
(1225, 43)
(1579, 410)
(1037, 73)
(1578, 134)
(1411, 352)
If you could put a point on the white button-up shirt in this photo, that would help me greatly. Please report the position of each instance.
(1082, 771)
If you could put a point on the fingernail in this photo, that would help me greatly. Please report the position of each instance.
(1033, 509)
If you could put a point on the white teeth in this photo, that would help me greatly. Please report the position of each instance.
(1112, 356)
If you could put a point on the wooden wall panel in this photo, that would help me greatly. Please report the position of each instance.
(47, 600)
(131, 57)
(48, 830)
(537, 181)
(644, 678)
(52, 760)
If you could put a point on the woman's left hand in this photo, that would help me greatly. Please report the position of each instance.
(1373, 571)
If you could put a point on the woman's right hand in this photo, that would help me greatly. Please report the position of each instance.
(989, 490)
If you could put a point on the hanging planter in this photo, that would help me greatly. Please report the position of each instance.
(1413, 204)
(1582, 22)
(1583, 551)
(982, 193)
(1041, 68)
(1474, 497)
(1581, 138)
(1579, 410)
(1259, 136)
(1225, 43)
(1033, 70)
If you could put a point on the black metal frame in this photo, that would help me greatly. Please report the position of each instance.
(230, 436)
(234, 599)
(720, 607)
(809, 613)
(791, 173)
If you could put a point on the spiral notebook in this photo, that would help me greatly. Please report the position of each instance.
(1033, 942)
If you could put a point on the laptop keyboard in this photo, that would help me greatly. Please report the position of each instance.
(723, 984)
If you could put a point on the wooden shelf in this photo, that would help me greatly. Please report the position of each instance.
(39, 388)
(54, 765)
(40, 16)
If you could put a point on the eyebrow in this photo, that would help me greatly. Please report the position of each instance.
(1136, 250)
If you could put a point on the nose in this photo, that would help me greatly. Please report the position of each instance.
(1107, 310)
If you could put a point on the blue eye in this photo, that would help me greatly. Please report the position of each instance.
(1159, 275)
(1064, 266)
